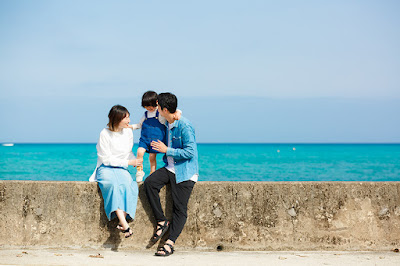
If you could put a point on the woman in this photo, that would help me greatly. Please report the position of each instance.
(114, 151)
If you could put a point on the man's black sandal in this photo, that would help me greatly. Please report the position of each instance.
(166, 252)
(163, 229)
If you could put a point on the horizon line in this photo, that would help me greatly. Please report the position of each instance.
(224, 143)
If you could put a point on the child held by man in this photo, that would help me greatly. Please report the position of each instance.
(153, 128)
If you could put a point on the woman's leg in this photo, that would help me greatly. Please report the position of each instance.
(120, 194)
(106, 181)
(122, 218)
(122, 221)
(127, 200)
(153, 162)
(119, 226)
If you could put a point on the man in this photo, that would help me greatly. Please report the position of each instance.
(181, 171)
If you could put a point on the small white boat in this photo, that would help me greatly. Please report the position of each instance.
(8, 144)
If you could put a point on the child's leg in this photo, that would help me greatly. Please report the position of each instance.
(140, 154)
(153, 162)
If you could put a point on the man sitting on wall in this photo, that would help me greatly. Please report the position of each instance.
(181, 171)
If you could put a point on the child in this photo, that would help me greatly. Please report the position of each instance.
(153, 127)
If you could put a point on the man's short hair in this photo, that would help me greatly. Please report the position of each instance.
(169, 101)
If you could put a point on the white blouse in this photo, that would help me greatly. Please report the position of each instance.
(114, 149)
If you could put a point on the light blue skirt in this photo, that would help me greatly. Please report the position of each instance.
(119, 190)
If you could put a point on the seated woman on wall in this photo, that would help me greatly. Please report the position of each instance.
(114, 151)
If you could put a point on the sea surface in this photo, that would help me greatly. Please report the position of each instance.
(219, 162)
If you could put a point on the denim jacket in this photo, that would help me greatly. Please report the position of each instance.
(183, 149)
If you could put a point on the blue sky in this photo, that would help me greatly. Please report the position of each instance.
(244, 71)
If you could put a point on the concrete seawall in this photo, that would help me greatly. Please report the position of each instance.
(222, 215)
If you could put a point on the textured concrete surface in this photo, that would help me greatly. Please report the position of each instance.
(222, 215)
(107, 257)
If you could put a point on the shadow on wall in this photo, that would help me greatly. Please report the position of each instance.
(114, 240)
(167, 211)
(224, 215)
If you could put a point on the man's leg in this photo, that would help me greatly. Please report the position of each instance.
(180, 195)
(152, 186)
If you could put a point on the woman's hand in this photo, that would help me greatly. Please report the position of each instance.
(159, 146)
(139, 162)
(136, 162)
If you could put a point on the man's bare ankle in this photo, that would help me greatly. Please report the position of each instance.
(169, 241)
(161, 223)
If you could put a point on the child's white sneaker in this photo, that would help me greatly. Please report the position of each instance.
(139, 175)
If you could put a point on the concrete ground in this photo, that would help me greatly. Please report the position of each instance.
(126, 257)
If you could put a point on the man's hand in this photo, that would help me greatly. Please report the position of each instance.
(159, 146)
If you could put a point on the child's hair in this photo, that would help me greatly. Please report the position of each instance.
(115, 116)
(149, 98)
(169, 101)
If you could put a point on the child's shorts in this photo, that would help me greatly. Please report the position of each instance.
(145, 143)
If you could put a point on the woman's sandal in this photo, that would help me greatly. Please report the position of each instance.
(166, 252)
(128, 230)
(119, 227)
(163, 229)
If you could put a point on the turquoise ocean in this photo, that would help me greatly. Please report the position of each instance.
(219, 162)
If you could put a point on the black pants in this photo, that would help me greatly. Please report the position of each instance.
(180, 198)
